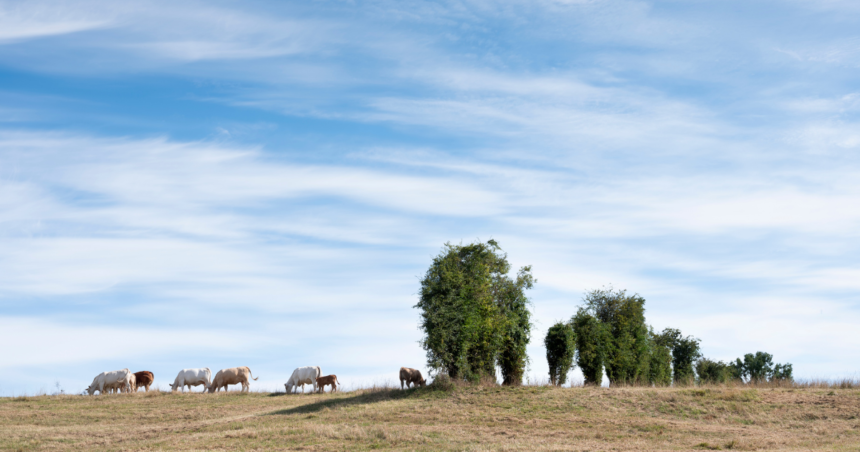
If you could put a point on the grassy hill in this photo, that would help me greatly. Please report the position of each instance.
(462, 418)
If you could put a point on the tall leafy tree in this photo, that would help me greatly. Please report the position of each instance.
(627, 352)
(591, 337)
(685, 351)
(660, 360)
(758, 366)
(473, 315)
(515, 325)
(560, 345)
(782, 372)
(709, 371)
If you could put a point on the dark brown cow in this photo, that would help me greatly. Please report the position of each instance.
(143, 380)
(331, 380)
(413, 376)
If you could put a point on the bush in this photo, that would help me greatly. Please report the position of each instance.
(560, 345)
(713, 372)
(626, 346)
(473, 315)
(590, 336)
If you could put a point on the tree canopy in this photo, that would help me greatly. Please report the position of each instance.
(474, 315)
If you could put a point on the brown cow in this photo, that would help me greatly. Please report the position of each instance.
(327, 380)
(413, 376)
(231, 376)
(143, 379)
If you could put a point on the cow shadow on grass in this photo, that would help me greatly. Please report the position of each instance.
(364, 398)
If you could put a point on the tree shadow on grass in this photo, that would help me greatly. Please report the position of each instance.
(364, 398)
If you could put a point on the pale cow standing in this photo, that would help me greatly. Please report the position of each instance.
(303, 376)
(192, 377)
(232, 376)
(107, 380)
(409, 375)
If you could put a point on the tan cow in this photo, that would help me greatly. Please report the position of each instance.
(413, 376)
(232, 376)
(331, 380)
(125, 384)
(143, 379)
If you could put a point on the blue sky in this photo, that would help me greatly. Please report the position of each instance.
(190, 184)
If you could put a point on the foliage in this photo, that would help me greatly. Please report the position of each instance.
(759, 367)
(560, 345)
(473, 315)
(515, 325)
(627, 354)
(709, 371)
(660, 360)
(782, 372)
(591, 336)
(685, 350)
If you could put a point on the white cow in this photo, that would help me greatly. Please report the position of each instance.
(125, 384)
(192, 377)
(107, 380)
(303, 376)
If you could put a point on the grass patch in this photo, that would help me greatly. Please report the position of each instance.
(445, 417)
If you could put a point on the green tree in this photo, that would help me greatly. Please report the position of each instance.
(759, 367)
(516, 324)
(473, 315)
(627, 354)
(560, 345)
(591, 337)
(782, 372)
(709, 371)
(737, 371)
(660, 365)
(685, 351)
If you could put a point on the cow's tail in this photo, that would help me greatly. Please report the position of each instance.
(319, 372)
(337, 381)
(249, 373)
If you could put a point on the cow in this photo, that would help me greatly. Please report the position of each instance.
(413, 376)
(322, 382)
(143, 379)
(192, 377)
(107, 380)
(303, 376)
(232, 376)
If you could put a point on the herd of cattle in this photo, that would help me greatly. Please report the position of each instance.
(126, 381)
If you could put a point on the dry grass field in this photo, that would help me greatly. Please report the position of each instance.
(462, 418)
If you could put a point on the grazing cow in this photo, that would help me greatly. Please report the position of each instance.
(192, 377)
(143, 379)
(322, 382)
(232, 376)
(107, 380)
(413, 376)
(303, 376)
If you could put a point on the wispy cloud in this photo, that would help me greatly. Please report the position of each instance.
(286, 168)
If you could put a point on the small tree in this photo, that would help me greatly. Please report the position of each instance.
(627, 346)
(516, 325)
(660, 365)
(685, 350)
(713, 372)
(590, 336)
(782, 372)
(759, 367)
(473, 315)
(560, 345)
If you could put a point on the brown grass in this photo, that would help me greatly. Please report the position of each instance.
(459, 418)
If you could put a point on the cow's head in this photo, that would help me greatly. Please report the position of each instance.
(287, 387)
(211, 389)
(422, 382)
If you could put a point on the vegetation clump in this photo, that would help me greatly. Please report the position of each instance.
(474, 316)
